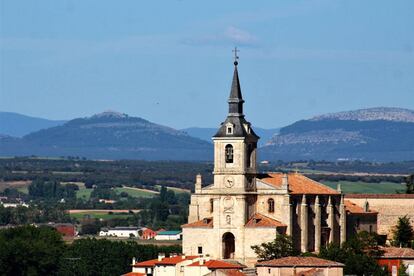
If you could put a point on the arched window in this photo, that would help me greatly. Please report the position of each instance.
(211, 205)
(271, 205)
(229, 153)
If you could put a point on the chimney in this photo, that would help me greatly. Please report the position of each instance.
(208, 257)
(133, 260)
(366, 206)
(183, 256)
(199, 182)
(201, 261)
(338, 188)
(161, 256)
(285, 182)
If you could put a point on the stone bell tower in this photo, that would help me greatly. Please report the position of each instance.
(235, 146)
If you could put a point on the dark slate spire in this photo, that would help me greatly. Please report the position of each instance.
(235, 118)
(235, 100)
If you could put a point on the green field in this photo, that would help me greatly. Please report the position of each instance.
(84, 193)
(366, 188)
(174, 189)
(135, 192)
(100, 215)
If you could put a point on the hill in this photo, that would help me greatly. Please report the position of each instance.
(375, 134)
(109, 135)
(18, 125)
(207, 133)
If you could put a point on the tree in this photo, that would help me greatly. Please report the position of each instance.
(358, 254)
(403, 232)
(29, 250)
(402, 270)
(282, 246)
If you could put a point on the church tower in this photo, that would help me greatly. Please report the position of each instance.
(235, 146)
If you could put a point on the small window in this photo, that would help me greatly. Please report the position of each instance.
(211, 205)
(229, 154)
(271, 205)
(268, 270)
(370, 228)
(229, 130)
(200, 250)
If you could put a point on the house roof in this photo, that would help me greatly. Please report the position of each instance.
(148, 263)
(229, 272)
(217, 264)
(175, 232)
(298, 184)
(300, 262)
(259, 220)
(355, 209)
(397, 253)
(133, 274)
(206, 222)
(165, 261)
(175, 260)
(381, 196)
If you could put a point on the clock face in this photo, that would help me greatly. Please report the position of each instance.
(229, 182)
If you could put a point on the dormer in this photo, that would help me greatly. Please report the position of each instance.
(229, 128)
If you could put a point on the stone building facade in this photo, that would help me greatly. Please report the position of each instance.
(243, 208)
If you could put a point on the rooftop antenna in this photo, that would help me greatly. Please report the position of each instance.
(236, 57)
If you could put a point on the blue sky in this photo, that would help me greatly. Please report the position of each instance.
(171, 61)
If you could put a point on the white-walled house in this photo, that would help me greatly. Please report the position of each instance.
(121, 232)
(182, 265)
(168, 235)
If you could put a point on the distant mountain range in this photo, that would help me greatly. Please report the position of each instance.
(109, 135)
(18, 125)
(374, 134)
(207, 133)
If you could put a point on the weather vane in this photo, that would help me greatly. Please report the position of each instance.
(236, 57)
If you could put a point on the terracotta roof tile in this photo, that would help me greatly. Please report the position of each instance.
(133, 274)
(355, 209)
(300, 262)
(149, 263)
(216, 264)
(259, 220)
(206, 222)
(379, 196)
(174, 260)
(397, 253)
(298, 184)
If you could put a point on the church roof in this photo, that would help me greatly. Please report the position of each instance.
(298, 184)
(235, 116)
(259, 220)
(355, 209)
(300, 262)
(206, 222)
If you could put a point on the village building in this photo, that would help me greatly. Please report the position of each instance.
(120, 231)
(148, 233)
(299, 266)
(168, 235)
(390, 207)
(182, 265)
(243, 207)
(394, 257)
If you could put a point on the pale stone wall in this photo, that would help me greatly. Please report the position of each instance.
(208, 238)
(262, 206)
(389, 210)
(287, 271)
(256, 236)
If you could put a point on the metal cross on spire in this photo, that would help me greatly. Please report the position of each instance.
(236, 57)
